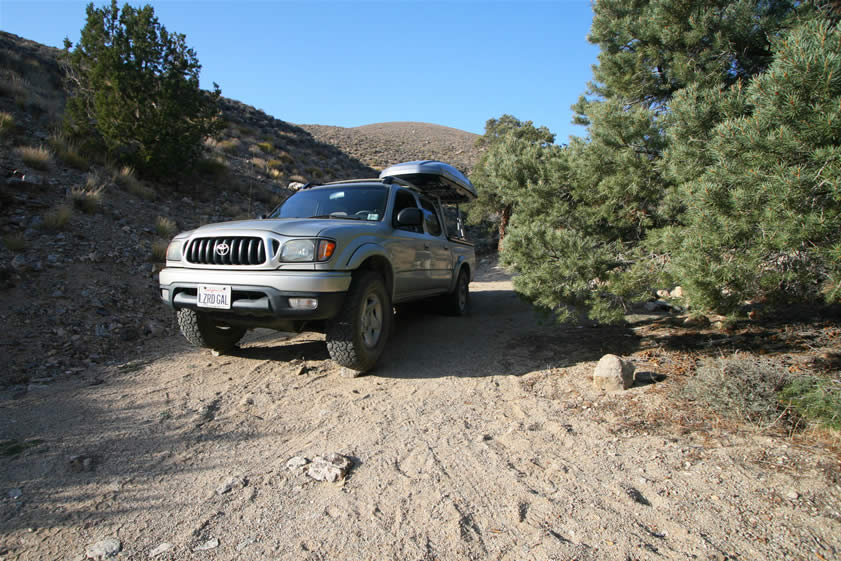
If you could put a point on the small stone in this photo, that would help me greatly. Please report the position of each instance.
(613, 374)
(330, 468)
(245, 543)
(15, 493)
(297, 462)
(208, 545)
(52, 259)
(793, 495)
(19, 263)
(696, 321)
(109, 547)
(81, 463)
(163, 548)
(229, 484)
(677, 292)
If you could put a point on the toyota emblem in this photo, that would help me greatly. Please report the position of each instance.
(222, 249)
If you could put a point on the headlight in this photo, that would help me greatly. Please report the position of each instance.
(173, 252)
(307, 250)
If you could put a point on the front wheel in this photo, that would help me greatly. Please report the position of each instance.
(356, 337)
(200, 331)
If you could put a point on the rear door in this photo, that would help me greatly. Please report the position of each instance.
(441, 262)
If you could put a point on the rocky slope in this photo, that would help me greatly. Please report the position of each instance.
(382, 144)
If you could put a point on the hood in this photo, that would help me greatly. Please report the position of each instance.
(289, 227)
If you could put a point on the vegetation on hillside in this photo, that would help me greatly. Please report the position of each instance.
(134, 91)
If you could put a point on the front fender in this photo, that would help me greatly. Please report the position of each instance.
(363, 252)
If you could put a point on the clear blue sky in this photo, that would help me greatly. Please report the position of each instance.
(455, 63)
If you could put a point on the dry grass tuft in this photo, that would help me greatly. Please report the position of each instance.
(159, 248)
(37, 158)
(7, 124)
(266, 147)
(742, 387)
(57, 218)
(88, 198)
(15, 242)
(125, 178)
(165, 227)
(212, 167)
(68, 153)
(229, 146)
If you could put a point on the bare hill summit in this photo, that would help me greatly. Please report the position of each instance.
(382, 144)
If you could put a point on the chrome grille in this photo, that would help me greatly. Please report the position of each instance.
(226, 251)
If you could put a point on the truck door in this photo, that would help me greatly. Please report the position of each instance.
(441, 261)
(410, 258)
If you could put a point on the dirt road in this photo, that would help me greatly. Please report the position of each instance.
(477, 438)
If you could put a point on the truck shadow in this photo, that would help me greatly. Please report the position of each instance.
(501, 336)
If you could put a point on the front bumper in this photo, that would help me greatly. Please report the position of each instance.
(259, 294)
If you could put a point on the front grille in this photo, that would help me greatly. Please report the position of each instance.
(240, 251)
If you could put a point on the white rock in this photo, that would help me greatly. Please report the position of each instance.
(330, 468)
(677, 292)
(208, 545)
(613, 374)
(297, 462)
(109, 547)
(163, 548)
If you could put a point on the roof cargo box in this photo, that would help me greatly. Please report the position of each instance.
(434, 178)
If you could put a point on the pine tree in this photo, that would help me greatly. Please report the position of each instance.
(622, 187)
(135, 90)
(763, 188)
(508, 164)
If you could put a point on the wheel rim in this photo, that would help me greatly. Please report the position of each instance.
(462, 295)
(372, 320)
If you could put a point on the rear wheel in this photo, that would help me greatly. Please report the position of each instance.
(357, 336)
(201, 331)
(457, 302)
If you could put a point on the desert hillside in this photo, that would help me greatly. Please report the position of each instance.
(382, 144)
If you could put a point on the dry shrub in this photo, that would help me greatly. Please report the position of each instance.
(125, 178)
(58, 217)
(15, 242)
(266, 147)
(13, 86)
(7, 124)
(258, 163)
(274, 173)
(88, 198)
(743, 387)
(165, 227)
(67, 152)
(159, 250)
(285, 157)
(229, 146)
(298, 178)
(37, 158)
(212, 167)
(274, 164)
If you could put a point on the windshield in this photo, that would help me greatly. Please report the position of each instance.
(349, 202)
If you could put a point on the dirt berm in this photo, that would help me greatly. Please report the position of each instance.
(476, 438)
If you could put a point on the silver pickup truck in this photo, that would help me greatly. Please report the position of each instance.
(333, 258)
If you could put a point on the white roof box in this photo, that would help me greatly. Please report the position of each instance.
(434, 178)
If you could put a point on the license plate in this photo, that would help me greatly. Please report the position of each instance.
(214, 297)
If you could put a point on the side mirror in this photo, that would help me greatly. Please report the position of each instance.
(410, 217)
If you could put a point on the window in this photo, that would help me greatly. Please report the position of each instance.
(403, 199)
(430, 218)
(352, 202)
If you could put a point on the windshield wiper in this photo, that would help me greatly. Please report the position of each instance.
(343, 217)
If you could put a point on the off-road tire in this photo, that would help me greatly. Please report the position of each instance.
(346, 333)
(457, 302)
(200, 331)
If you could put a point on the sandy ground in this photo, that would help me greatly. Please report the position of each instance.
(476, 438)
